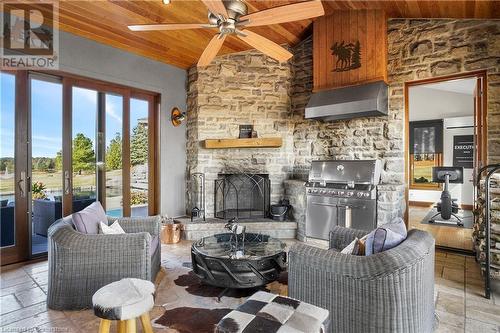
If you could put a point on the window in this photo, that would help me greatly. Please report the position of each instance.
(46, 157)
(114, 155)
(426, 152)
(84, 147)
(65, 142)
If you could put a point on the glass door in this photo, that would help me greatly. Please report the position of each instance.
(7, 162)
(13, 170)
(66, 142)
(45, 169)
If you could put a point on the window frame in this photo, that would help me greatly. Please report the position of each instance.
(437, 124)
(424, 186)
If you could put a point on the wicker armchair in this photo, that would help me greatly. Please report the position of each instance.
(392, 291)
(80, 264)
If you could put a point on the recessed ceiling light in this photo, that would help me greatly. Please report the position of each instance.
(166, 2)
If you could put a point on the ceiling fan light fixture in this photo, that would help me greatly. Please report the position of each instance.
(231, 16)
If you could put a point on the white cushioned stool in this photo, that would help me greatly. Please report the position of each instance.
(265, 312)
(124, 301)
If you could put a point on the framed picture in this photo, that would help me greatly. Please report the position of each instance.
(246, 131)
(463, 151)
(426, 152)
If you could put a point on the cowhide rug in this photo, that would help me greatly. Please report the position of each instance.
(191, 320)
(195, 287)
(202, 320)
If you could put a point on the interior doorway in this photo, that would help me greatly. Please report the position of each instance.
(445, 146)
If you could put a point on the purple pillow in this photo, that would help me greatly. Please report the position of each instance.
(385, 237)
(87, 220)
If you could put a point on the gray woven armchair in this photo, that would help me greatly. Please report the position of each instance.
(392, 291)
(80, 264)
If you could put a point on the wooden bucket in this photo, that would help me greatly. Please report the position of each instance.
(171, 233)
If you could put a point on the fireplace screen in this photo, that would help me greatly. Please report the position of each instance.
(245, 196)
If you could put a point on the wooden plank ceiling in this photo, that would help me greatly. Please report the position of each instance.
(106, 22)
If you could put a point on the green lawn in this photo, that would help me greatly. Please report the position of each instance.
(54, 181)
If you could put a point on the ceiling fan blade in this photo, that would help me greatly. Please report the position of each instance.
(264, 45)
(216, 7)
(168, 26)
(287, 13)
(211, 50)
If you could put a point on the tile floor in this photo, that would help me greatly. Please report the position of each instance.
(459, 288)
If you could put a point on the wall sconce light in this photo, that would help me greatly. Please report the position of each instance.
(177, 116)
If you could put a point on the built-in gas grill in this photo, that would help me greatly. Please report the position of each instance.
(341, 192)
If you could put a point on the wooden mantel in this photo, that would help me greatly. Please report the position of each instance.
(349, 48)
(243, 143)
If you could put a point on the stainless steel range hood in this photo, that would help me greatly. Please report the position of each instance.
(365, 100)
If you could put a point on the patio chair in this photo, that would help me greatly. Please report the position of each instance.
(80, 264)
(390, 291)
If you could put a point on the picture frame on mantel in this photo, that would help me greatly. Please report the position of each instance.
(246, 131)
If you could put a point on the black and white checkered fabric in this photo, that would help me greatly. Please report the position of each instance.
(269, 313)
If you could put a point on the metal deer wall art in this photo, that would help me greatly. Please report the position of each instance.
(348, 56)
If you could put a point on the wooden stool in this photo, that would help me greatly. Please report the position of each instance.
(124, 301)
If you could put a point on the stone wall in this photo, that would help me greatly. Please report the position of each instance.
(244, 88)
(424, 48)
(296, 193)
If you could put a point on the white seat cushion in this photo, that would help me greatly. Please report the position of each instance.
(124, 299)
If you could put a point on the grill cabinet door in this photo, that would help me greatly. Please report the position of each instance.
(321, 216)
(357, 214)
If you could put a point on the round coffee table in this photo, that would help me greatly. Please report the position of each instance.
(230, 261)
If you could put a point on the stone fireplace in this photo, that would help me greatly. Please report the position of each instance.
(243, 89)
(242, 196)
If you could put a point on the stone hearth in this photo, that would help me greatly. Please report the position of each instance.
(198, 229)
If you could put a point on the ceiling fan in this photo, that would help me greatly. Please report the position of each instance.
(231, 18)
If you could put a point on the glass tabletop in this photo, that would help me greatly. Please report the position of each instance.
(252, 246)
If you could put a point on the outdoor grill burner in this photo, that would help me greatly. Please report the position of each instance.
(343, 193)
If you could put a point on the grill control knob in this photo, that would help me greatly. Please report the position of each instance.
(367, 195)
(359, 194)
(309, 191)
(322, 192)
(349, 194)
(341, 192)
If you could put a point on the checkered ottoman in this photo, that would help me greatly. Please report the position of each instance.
(269, 313)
